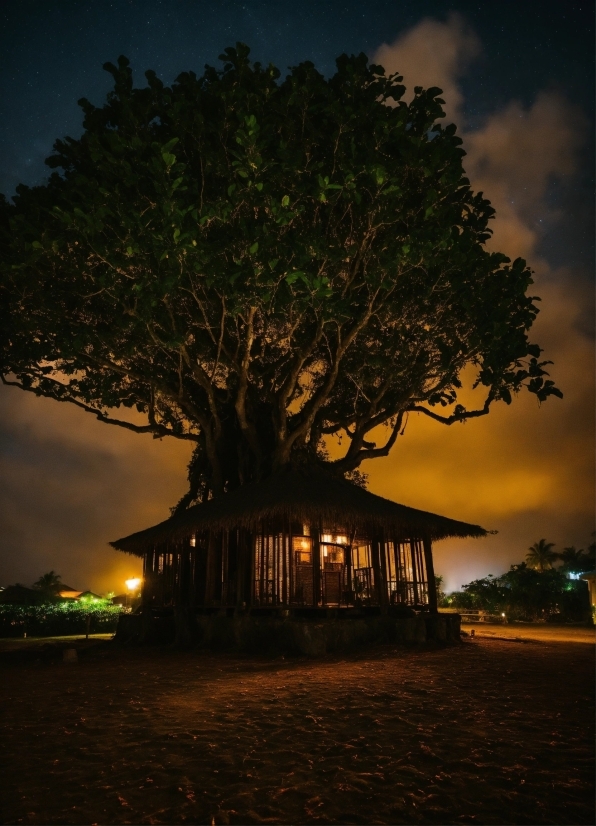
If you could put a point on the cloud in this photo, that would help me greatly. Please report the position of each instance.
(514, 158)
(69, 485)
(433, 54)
(525, 470)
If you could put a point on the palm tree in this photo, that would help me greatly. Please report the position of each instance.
(540, 555)
(49, 583)
(571, 558)
(577, 562)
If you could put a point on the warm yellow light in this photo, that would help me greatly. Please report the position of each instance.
(133, 584)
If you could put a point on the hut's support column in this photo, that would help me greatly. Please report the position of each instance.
(316, 562)
(430, 576)
(184, 614)
(250, 570)
(383, 549)
(413, 557)
(150, 565)
(213, 569)
(380, 584)
(241, 559)
(348, 563)
(147, 592)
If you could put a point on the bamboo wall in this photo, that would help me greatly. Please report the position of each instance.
(292, 565)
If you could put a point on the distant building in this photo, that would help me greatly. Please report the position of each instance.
(71, 593)
(21, 595)
(590, 578)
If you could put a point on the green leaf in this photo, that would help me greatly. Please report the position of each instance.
(254, 248)
(285, 201)
(169, 145)
(294, 276)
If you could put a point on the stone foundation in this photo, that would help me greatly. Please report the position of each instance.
(313, 636)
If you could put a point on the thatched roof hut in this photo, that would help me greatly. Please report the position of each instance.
(299, 538)
(305, 496)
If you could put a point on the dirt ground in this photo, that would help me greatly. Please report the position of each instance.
(525, 632)
(489, 731)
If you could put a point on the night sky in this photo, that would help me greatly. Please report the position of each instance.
(519, 82)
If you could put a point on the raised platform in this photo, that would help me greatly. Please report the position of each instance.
(315, 634)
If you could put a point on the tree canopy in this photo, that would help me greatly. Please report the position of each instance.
(525, 593)
(257, 265)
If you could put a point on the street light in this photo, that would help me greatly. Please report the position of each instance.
(133, 585)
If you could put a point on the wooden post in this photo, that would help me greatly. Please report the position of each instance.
(384, 573)
(147, 586)
(252, 568)
(380, 586)
(348, 564)
(284, 567)
(211, 573)
(184, 589)
(240, 566)
(200, 571)
(433, 606)
(316, 566)
(413, 555)
(262, 562)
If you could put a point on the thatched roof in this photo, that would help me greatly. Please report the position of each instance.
(301, 495)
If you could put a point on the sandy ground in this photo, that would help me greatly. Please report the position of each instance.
(490, 731)
(526, 632)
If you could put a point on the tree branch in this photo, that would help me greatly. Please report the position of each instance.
(158, 430)
(352, 462)
(460, 414)
(240, 403)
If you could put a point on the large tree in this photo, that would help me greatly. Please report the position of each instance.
(258, 265)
